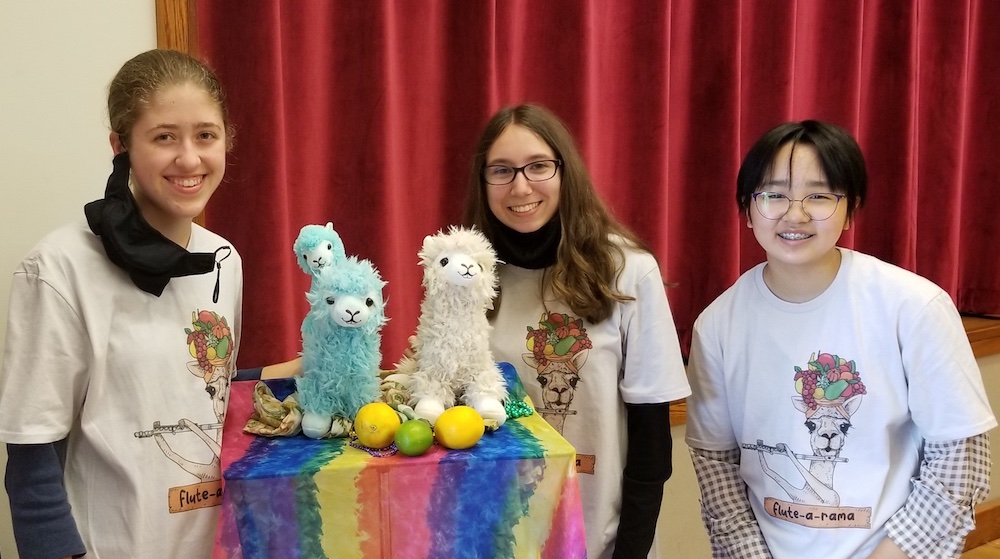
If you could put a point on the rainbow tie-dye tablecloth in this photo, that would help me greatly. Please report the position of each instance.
(514, 495)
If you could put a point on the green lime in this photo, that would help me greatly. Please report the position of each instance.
(414, 437)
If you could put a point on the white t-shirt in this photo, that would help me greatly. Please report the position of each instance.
(92, 358)
(826, 471)
(592, 369)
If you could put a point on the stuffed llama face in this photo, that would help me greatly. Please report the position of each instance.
(350, 294)
(460, 269)
(462, 258)
(351, 311)
(318, 247)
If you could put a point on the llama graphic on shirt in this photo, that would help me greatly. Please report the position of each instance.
(210, 344)
(830, 391)
(557, 350)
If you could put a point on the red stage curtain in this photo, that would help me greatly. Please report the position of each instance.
(365, 114)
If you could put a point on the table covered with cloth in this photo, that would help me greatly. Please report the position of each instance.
(513, 495)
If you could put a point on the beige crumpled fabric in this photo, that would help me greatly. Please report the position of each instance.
(275, 418)
(272, 417)
(395, 388)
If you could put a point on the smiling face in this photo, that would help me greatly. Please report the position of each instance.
(178, 156)
(795, 242)
(522, 205)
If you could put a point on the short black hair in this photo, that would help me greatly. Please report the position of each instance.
(839, 155)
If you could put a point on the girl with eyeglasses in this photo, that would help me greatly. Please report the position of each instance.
(837, 407)
(582, 314)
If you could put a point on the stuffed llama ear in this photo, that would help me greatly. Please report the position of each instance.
(329, 225)
(425, 247)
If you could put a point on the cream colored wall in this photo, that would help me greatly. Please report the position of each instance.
(56, 59)
(680, 532)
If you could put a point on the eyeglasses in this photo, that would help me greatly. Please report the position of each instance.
(536, 171)
(819, 206)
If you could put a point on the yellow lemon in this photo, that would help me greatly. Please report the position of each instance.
(459, 427)
(376, 424)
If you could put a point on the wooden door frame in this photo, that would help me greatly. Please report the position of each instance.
(177, 25)
(177, 29)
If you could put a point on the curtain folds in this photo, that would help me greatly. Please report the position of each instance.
(365, 114)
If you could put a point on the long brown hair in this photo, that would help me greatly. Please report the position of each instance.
(589, 261)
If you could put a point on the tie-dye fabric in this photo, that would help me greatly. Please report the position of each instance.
(514, 495)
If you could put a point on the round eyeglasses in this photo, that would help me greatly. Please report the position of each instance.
(818, 206)
(536, 171)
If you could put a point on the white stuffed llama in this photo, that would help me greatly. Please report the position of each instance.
(341, 347)
(317, 247)
(452, 357)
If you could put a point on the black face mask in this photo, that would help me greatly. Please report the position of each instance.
(135, 246)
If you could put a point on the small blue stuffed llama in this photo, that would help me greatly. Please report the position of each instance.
(341, 341)
(317, 247)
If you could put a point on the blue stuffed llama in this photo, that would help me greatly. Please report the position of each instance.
(341, 340)
(317, 247)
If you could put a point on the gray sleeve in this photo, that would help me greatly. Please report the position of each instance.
(725, 508)
(43, 525)
(937, 516)
(249, 374)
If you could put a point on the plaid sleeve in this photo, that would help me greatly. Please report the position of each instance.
(938, 515)
(725, 508)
